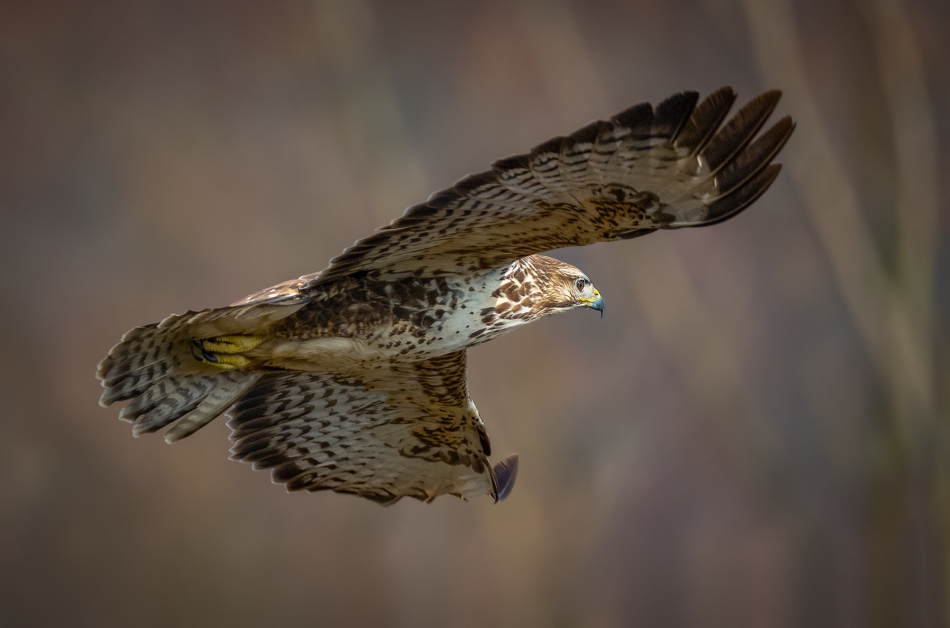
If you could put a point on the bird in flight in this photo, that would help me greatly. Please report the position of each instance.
(353, 379)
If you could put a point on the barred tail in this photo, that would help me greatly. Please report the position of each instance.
(155, 368)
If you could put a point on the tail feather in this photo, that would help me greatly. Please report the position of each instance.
(131, 387)
(154, 369)
(230, 386)
(145, 356)
(165, 402)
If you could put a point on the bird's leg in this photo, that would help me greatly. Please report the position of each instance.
(225, 351)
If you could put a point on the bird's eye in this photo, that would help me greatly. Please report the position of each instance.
(581, 284)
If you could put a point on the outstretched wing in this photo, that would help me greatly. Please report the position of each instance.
(645, 169)
(395, 431)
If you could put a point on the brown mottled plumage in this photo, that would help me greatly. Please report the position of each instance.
(353, 379)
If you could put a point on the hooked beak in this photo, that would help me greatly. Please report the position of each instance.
(597, 303)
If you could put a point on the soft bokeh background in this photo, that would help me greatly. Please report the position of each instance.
(755, 435)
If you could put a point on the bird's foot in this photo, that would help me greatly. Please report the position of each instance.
(225, 351)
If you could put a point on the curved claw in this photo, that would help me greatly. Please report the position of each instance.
(225, 351)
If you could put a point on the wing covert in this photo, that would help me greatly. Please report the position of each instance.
(394, 431)
(646, 168)
(285, 293)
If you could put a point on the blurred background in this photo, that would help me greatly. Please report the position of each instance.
(756, 435)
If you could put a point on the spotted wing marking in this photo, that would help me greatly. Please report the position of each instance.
(395, 431)
(645, 169)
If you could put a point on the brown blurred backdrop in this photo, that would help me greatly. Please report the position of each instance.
(755, 435)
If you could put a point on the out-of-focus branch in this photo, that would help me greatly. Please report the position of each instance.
(829, 196)
(893, 317)
(914, 131)
(911, 304)
(892, 309)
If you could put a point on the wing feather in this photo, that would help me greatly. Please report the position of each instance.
(394, 431)
(705, 120)
(646, 168)
(740, 130)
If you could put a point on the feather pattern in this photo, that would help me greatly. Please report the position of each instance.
(153, 367)
(644, 169)
(353, 379)
(390, 432)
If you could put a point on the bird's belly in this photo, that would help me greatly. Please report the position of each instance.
(384, 346)
(322, 355)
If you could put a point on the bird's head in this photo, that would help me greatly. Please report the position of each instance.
(549, 286)
(587, 295)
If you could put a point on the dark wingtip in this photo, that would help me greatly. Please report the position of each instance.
(506, 472)
(705, 120)
(731, 205)
(739, 131)
(755, 157)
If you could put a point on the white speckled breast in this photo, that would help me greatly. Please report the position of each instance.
(411, 319)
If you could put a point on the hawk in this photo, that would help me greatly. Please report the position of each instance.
(353, 379)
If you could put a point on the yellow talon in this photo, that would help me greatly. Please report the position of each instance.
(228, 362)
(231, 344)
(223, 352)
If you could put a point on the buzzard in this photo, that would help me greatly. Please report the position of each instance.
(353, 379)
